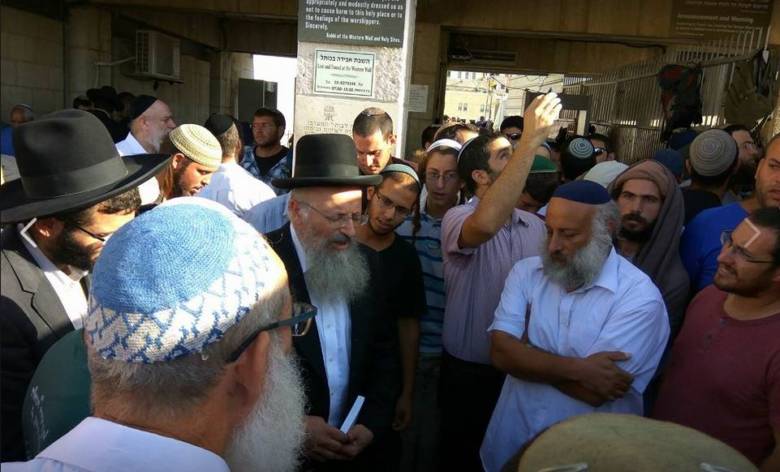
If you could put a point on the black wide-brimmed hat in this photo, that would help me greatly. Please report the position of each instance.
(326, 160)
(106, 95)
(67, 161)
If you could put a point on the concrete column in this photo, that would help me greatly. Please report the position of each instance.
(87, 41)
(318, 110)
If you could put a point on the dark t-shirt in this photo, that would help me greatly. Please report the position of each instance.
(723, 377)
(264, 164)
(696, 201)
(402, 273)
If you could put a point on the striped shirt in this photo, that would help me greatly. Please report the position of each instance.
(427, 243)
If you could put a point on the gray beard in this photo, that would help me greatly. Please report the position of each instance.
(584, 267)
(335, 276)
(273, 435)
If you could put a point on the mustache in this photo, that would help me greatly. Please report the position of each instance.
(635, 217)
(341, 238)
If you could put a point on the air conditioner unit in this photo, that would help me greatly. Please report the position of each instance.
(156, 55)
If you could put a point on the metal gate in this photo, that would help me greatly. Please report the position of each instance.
(626, 103)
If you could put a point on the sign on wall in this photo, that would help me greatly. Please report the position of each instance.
(341, 73)
(713, 19)
(364, 23)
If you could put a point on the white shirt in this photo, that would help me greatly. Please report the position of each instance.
(621, 310)
(67, 287)
(269, 215)
(236, 189)
(97, 445)
(334, 328)
(150, 189)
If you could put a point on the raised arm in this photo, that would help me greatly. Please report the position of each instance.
(496, 206)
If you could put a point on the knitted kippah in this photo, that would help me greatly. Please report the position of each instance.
(581, 148)
(404, 169)
(174, 280)
(582, 191)
(712, 152)
(198, 144)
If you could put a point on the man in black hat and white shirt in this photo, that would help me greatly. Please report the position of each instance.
(150, 122)
(353, 348)
(74, 192)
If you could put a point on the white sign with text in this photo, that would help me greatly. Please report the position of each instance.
(343, 73)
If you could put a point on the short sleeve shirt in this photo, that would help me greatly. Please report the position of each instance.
(402, 272)
(473, 277)
(622, 310)
(723, 377)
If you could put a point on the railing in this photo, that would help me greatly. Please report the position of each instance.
(626, 102)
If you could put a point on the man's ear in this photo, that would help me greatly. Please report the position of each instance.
(370, 193)
(688, 166)
(48, 227)
(248, 373)
(480, 177)
(391, 139)
(176, 160)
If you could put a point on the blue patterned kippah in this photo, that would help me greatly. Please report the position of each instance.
(581, 148)
(174, 280)
(582, 191)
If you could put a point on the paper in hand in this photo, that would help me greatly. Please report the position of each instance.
(349, 421)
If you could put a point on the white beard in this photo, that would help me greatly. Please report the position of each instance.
(336, 275)
(272, 437)
(584, 267)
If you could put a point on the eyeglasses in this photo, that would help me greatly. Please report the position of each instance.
(513, 136)
(386, 203)
(299, 323)
(339, 221)
(728, 242)
(102, 239)
(433, 177)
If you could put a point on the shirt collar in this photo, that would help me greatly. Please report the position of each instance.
(609, 277)
(299, 249)
(45, 264)
(125, 446)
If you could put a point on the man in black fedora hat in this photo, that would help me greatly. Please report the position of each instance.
(354, 349)
(74, 191)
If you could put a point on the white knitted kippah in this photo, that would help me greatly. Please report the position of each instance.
(198, 144)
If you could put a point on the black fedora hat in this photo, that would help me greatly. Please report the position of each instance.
(105, 95)
(326, 160)
(67, 161)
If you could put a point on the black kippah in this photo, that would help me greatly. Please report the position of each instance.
(140, 104)
(218, 123)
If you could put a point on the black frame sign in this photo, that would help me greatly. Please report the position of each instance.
(378, 23)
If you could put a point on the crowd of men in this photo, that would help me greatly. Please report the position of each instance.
(183, 297)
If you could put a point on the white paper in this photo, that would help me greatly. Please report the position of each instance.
(418, 98)
(349, 422)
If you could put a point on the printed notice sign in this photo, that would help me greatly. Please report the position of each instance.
(714, 19)
(342, 73)
(364, 23)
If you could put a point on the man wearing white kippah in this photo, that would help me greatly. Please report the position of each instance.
(195, 156)
(188, 351)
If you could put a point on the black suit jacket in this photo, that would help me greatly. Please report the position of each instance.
(375, 368)
(32, 318)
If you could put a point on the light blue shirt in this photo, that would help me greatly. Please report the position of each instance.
(269, 215)
(236, 189)
(334, 328)
(622, 310)
(97, 445)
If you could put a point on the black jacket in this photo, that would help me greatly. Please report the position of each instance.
(32, 318)
(375, 369)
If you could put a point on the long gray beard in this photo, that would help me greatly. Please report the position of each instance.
(584, 267)
(273, 435)
(336, 275)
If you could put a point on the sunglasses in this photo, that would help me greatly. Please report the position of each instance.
(514, 136)
(299, 323)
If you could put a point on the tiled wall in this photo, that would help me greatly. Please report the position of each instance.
(31, 67)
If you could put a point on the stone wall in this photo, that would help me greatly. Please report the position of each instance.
(31, 61)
